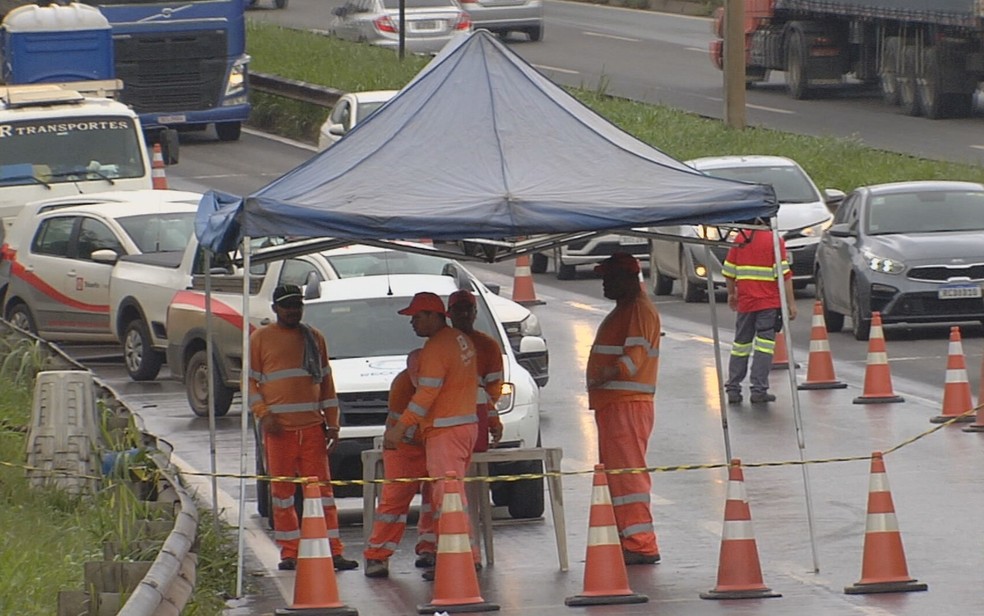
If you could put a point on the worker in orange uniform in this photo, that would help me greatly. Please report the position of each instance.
(753, 292)
(443, 407)
(406, 461)
(462, 309)
(621, 379)
(292, 396)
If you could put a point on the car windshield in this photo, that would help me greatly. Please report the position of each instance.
(790, 183)
(159, 232)
(371, 327)
(926, 212)
(351, 265)
(417, 4)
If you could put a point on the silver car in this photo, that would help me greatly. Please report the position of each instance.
(430, 24)
(504, 16)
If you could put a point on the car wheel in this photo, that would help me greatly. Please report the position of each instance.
(196, 387)
(860, 326)
(526, 496)
(566, 271)
(662, 284)
(834, 321)
(19, 315)
(535, 33)
(143, 361)
(692, 293)
(228, 131)
(538, 263)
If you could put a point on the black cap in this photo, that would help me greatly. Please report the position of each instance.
(287, 291)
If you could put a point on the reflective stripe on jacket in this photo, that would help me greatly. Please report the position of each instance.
(628, 338)
(752, 266)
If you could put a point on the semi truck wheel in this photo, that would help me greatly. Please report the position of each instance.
(228, 131)
(908, 81)
(797, 68)
(888, 73)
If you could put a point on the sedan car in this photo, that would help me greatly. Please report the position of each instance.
(504, 16)
(351, 109)
(912, 251)
(430, 24)
(804, 212)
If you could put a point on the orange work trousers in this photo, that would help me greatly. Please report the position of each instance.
(406, 461)
(298, 453)
(449, 450)
(623, 435)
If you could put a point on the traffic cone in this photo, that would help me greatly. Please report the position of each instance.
(523, 292)
(455, 583)
(605, 579)
(315, 588)
(883, 567)
(956, 392)
(739, 571)
(780, 356)
(877, 376)
(157, 169)
(978, 425)
(820, 364)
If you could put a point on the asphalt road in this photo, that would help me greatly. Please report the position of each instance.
(659, 57)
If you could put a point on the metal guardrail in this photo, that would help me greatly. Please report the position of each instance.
(322, 96)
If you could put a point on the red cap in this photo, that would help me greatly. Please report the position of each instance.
(618, 262)
(424, 302)
(459, 296)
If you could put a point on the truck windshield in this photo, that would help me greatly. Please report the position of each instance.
(51, 151)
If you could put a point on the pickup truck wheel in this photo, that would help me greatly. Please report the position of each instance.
(196, 386)
(538, 263)
(143, 361)
(20, 316)
(566, 271)
(526, 496)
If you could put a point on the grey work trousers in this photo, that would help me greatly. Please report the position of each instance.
(755, 333)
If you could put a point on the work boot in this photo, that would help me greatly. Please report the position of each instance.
(343, 564)
(287, 564)
(637, 558)
(377, 568)
(425, 560)
(761, 397)
(734, 397)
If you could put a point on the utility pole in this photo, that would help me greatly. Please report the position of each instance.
(734, 63)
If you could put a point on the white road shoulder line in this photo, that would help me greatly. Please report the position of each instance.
(544, 67)
(612, 36)
(772, 109)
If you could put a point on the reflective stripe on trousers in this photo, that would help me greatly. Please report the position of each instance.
(753, 330)
(623, 436)
(298, 453)
(394, 504)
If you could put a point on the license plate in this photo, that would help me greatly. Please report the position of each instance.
(631, 240)
(172, 119)
(427, 26)
(959, 292)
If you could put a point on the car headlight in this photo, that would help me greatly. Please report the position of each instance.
(817, 230)
(237, 78)
(530, 326)
(506, 399)
(883, 264)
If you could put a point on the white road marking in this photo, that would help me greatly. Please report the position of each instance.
(772, 109)
(279, 139)
(978, 147)
(612, 36)
(544, 67)
(699, 49)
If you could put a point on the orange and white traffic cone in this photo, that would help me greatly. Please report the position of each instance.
(956, 392)
(978, 425)
(605, 579)
(877, 375)
(883, 568)
(820, 364)
(780, 356)
(739, 571)
(315, 587)
(523, 292)
(455, 583)
(157, 169)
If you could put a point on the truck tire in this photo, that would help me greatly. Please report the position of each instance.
(797, 69)
(888, 72)
(566, 271)
(228, 131)
(19, 315)
(143, 362)
(908, 81)
(538, 263)
(196, 387)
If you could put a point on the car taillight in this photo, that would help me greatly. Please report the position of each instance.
(463, 22)
(385, 24)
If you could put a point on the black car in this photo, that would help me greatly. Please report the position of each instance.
(912, 251)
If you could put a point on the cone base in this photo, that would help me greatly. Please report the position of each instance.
(530, 302)
(974, 428)
(945, 418)
(461, 608)
(758, 593)
(909, 586)
(878, 399)
(318, 611)
(823, 385)
(582, 600)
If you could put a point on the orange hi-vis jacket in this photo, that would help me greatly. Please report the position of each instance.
(279, 384)
(490, 374)
(628, 338)
(446, 386)
(400, 393)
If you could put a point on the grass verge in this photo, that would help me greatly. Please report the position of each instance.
(833, 163)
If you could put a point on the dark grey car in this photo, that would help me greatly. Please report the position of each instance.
(912, 251)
